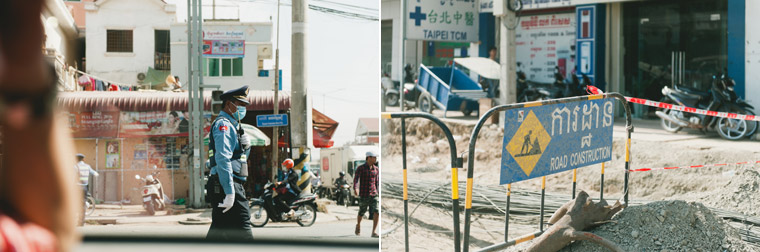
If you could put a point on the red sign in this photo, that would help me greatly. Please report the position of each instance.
(325, 164)
(94, 124)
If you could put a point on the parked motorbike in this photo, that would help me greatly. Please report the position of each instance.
(533, 91)
(390, 90)
(263, 209)
(152, 193)
(721, 97)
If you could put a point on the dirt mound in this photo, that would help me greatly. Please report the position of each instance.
(667, 226)
(741, 194)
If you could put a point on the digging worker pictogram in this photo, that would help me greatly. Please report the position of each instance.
(526, 143)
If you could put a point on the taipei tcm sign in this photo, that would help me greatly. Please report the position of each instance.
(549, 139)
(442, 20)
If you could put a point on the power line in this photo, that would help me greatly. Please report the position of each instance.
(337, 12)
(349, 5)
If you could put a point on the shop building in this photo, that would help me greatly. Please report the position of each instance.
(127, 40)
(630, 47)
(124, 134)
(233, 53)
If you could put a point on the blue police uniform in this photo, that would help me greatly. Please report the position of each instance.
(226, 161)
(228, 173)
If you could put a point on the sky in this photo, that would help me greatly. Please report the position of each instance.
(343, 54)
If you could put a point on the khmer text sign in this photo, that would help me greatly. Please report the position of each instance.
(543, 140)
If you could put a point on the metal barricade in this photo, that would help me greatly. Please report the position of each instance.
(456, 163)
(471, 168)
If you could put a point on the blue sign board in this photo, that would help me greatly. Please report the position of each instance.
(544, 140)
(272, 120)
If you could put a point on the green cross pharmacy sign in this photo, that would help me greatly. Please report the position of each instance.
(442, 20)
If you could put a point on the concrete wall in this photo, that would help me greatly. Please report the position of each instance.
(143, 17)
(752, 54)
(258, 36)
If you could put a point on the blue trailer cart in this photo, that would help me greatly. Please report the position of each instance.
(447, 88)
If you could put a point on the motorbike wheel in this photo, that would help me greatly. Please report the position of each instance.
(425, 103)
(346, 200)
(259, 216)
(731, 129)
(751, 125)
(391, 99)
(668, 125)
(89, 206)
(309, 215)
(151, 209)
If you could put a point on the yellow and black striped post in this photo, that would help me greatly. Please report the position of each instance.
(406, 196)
(506, 220)
(627, 163)
(543, 193)
(456, 163)
(575, 175)
(601, 187)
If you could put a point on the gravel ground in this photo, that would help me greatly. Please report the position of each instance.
(732, 187)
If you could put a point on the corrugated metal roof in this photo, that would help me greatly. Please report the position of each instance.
(156, 100)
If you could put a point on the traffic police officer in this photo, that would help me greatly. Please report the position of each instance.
(228, 148)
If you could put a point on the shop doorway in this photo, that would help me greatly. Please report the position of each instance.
(654, 30)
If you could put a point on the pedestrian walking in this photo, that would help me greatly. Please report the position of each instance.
(230, 218)
(366, 178)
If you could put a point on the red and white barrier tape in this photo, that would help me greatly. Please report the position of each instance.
(692, 166)
(692, 110)
(595, 90)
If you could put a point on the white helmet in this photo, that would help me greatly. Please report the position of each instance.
(149, 177)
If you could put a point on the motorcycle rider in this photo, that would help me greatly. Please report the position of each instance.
(84, 170)
(150, 180)
(287, 189)
(339, 182)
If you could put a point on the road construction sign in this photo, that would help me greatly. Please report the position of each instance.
(548, 139)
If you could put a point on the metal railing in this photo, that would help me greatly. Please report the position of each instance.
(456, 163)
(471, 166)
(162, 61)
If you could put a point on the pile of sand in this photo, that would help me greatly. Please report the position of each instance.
(667, 226)
(741, 194)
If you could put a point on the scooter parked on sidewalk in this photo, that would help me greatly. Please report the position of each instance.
(721, 98)
(152, 193)
(263, 209)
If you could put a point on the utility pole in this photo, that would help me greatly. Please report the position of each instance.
(507, 82)
(403, 54)
(195, 99)
(275, 130)
(300, 107)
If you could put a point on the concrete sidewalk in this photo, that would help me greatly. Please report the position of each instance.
(110, 214)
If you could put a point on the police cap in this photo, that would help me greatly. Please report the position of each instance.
(240, 94)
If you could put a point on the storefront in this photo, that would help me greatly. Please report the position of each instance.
(656, 31)
(124, 134)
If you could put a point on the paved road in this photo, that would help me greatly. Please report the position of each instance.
(332, 231)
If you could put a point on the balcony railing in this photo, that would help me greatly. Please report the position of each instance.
(163, 61)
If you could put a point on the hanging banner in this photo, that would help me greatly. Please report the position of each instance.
(153, 124)
(442, 20)
(94, 124)
(544, 42)
(223, 44)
